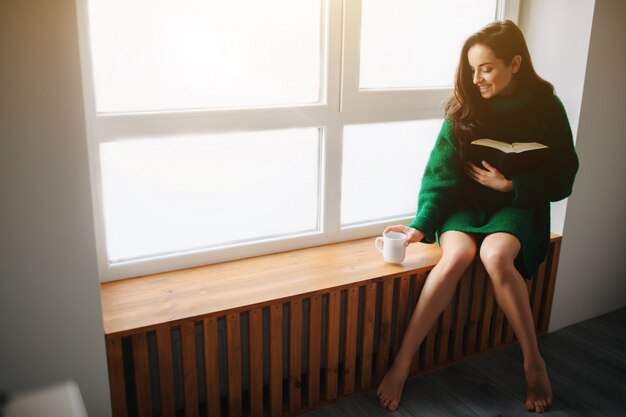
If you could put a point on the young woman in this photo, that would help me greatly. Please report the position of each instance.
(470, 209)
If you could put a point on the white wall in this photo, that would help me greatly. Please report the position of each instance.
(557, 33)
(591, 281)
(50, 319)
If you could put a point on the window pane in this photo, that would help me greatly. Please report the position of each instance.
(184, 193)
(163, 54)
(416, 43)
(382, 168)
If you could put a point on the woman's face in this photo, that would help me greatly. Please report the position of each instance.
(490, 75)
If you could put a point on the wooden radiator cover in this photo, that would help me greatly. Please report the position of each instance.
(282, 357)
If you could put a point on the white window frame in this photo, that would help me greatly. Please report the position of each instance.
(342, 104)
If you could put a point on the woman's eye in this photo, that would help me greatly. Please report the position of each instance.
(486, 70)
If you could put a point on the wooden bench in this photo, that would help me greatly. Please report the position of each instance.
(279, 334)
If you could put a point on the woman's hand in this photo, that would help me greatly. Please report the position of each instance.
(412, 235)
(491, 178)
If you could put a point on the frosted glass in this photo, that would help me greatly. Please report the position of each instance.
(164, 54)
(383, 165)
(184, 193)
(416, 43)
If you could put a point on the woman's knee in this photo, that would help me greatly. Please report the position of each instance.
(458, 250)
(498, 257)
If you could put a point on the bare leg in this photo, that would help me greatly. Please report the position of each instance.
(459, 249)
(498, 253)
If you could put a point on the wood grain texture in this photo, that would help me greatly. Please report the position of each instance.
(399, 292)
(475, 306)
(142, 374)
(555, 252)
(446, 325)
(367, 353)
(255, 360)
(117, 385)
(332, 346)
(190, 368)
(166, 371)
(351, 328)
(461, 313)
(276, 360)
(315, 349)
(401, 307)
(146, 301)
(384, 329)
(295, 355)
(233, 360)
(212, 370)
(537, 301)
(485, 326)
(416, 291)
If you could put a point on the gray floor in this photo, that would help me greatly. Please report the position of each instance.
(586, 363)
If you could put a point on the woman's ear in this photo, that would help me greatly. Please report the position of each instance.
(516, 62)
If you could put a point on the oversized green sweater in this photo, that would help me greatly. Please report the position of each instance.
(450, 200)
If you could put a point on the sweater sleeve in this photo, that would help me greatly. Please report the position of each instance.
(554, 180)
(439, 184)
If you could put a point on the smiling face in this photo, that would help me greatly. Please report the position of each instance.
(490, 74)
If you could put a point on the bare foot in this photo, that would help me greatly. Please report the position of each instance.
(539, 395)
(390, 389)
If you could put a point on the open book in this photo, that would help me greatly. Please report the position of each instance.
(508, 158)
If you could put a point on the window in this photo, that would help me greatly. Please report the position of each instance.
(227, 129)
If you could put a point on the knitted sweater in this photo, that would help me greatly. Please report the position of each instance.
(450, 200)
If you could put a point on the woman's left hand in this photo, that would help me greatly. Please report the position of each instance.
(491, 178)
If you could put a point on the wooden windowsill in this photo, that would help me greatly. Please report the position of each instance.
(170, 296)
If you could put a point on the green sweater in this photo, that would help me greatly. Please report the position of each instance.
(450, 200)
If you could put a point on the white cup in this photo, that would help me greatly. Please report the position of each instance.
(393, 248)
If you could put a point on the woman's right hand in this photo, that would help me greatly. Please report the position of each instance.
(412, 235)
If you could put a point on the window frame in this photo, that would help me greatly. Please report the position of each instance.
(341, 104)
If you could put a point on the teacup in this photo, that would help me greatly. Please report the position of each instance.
(392, 248)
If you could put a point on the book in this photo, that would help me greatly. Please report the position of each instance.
(508, 158)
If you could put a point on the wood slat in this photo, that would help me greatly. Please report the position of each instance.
(276, 360)
(255, 360)
(295, 355)
(497, 334)
(555, 251)
(190, 368)
(461, 313)
(444, 345)
(211, 366)
(166, 371)
(332, 346)
(315, 344)
(349, 361)
(117, 385)
(475, 306)
(367, 353)
(233, 364)
(402, 306)
(142, 374)
(539, 293)
(509, 335)
(418, 286)
(384, 329)
(428, 346)
(485, 322)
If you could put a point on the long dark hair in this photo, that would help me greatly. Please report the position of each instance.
(466, 108)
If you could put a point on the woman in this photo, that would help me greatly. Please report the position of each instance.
(470, 209)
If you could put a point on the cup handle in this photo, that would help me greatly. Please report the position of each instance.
(378, 247)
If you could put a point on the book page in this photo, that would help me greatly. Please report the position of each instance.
(503, 146)
(519, 147)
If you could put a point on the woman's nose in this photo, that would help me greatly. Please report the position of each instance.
(475, 77)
